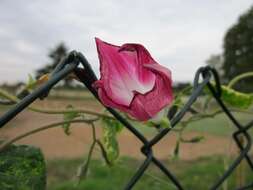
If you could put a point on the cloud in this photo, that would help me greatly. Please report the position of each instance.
(180, 34)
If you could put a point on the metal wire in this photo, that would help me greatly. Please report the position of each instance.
(77, 63)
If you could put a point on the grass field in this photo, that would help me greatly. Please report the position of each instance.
(196, 175)
(220, 125)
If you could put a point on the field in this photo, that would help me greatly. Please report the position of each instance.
(198, 163)
(196, 174)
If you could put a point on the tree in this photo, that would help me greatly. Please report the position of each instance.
(217, 62)
(55, 55)
(238, 51)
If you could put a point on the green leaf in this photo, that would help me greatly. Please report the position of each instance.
(160, 120)
(111, 128)
(31, 84)
(112, 123)
(68, 117)
(236, 98)
(178, 101)
(165, 123)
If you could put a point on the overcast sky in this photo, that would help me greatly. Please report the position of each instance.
(179, 34)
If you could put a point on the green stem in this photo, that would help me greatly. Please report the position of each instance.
(4, 145)
(239, 77)
(200, 116)
(85, 166)
(103, 152)
(90, 112)
(15, 99)
(8, 96)
(154, 177)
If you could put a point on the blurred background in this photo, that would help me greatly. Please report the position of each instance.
(181, 35)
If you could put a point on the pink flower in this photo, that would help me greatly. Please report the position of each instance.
(132, 81)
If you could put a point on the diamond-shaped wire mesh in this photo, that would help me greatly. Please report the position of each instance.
(86, 75)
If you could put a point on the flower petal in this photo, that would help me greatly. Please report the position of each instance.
(143, 107)
(122, 74)
(107, 101)
(147, 106)
(162, 71)
(132, 81)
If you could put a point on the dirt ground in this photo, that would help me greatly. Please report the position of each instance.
(55, 144)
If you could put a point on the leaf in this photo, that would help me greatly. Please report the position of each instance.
(160, 120)
(178, 102)
(112, 123)
(235, 98)
(162, 124)
(165, 123)
(68, 117)
(110, 130)
(31, 84)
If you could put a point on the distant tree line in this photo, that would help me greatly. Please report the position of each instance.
(55, 55)
(237, 56)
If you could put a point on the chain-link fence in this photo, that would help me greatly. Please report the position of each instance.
(76, 62)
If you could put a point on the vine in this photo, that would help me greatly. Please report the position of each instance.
(111, 127)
